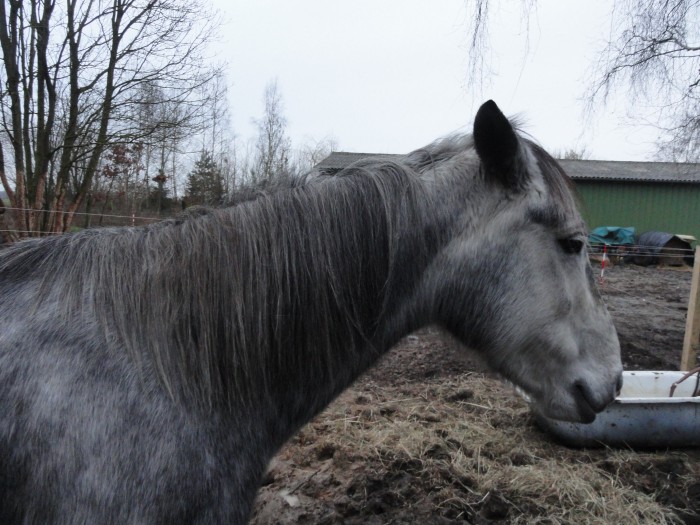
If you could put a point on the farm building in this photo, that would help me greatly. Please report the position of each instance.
(659, 196)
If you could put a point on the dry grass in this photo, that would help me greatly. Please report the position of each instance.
(465, 448)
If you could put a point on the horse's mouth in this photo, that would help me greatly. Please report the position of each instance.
(584, 406)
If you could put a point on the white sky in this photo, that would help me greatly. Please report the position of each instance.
(390, 76)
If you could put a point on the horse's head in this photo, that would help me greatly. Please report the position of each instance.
(514, 281)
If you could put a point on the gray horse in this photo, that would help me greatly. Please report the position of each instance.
(148, 375)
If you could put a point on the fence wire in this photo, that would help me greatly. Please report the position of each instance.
(83, 214)
(641, 250)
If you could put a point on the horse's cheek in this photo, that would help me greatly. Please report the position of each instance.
(469, 301)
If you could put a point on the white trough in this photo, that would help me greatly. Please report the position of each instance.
(642, 416)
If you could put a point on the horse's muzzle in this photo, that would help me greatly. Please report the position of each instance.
(588, 403)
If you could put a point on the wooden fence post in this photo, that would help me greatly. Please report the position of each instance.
(691, 343)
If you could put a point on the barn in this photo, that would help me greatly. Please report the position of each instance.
(651, 196)
(659, 196)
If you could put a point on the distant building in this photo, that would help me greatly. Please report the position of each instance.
(659, 196)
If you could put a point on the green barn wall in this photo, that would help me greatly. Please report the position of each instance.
(672, 208)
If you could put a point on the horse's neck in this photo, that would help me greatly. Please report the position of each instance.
(341, 301)
(307, 328)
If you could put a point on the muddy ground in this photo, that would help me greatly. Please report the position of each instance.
(429, 436)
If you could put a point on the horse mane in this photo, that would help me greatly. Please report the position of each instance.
(311, 266)
(303, 274)
(440, 151)
(255, 189)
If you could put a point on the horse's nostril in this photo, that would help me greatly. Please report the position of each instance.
(587, 398)
(584, 402)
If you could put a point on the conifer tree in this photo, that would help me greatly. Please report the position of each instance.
(205, 183)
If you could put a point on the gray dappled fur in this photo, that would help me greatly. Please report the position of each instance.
(147, 375)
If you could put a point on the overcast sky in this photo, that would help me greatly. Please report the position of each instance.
(390, 76)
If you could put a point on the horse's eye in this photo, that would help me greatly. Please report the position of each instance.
(571, 245)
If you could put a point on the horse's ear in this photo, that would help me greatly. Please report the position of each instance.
(497, 146)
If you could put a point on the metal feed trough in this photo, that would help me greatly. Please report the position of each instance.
(653, 410)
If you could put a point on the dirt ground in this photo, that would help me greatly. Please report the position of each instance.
(429, 437)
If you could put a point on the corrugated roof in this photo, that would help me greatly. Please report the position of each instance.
(609, 170)
(339, 160)
(602, 170)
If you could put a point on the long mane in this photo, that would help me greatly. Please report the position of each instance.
(293, 276)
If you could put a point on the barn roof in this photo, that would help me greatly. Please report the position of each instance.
(591, 170)
(621, 171)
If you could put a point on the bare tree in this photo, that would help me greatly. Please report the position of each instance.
(478, 23)
(313, 152)
(273, 146)
(167, 122)
(241, 162)
(654, 54)
(572, 154)
(70, 88)
(220, 138)
(8, 232)
(121, 167)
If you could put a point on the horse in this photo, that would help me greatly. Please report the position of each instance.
(149, 374)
